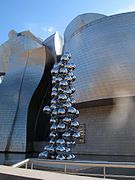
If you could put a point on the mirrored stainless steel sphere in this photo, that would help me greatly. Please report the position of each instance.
(68, 78)
(54, 113)
(63, 71)
(71, 110)
(53, 101)
(53, 120)
(76, 135)
(61, 127)
(60, 157)
(46, 147)
(53, 106)
(66, 135)
(72, 100)
(73, 89)
(77, 113)
(53, 127)
(68, 150)
(61, 112)
(61, 64)
(60, 90)
(68, 54)
(54, 93)
(69, 143)
(44, 155)
(74, 124)
(67, 104)
(47, 109)
(73, 78)
(60, 142)
(62, 97)
(60, 149)
(51, 149)
(58, 79)
(66, 120)
(52, 141)
(53, 135)
(71, 66)
(53, 81)
(71, 73)
(63, 83)
(69, 157)
(54, 71)
(54, 88)
(67, 91)
(65, 58)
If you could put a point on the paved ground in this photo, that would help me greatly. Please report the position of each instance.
(7, 173)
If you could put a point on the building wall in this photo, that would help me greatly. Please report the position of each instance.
(109, 130)
(103, 51)
(17, 88)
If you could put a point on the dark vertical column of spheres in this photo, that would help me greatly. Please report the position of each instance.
(64, 127)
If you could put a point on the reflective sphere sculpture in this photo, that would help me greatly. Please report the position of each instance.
(66, 120)
(76, 135)
(54, 93)
(69, 157)
(71, 110)
(52, 141)
(58, 79)
(53, 127)
(63, 71)
(74, 124)
(60, 157)
(63, 83)
(60, 149)
(53, 135)
(62, 97)
(61, 112)
(61, 127)
(47, 109)
(44, 155)
(54, 71)
(66, 135)
(60, 141)
(64, 127)
(54, 113)
(53, 120)
(67, 105)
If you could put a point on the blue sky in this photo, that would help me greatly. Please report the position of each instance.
(43, 17)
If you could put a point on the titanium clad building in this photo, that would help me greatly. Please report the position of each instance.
(27, 65)
(103, 48)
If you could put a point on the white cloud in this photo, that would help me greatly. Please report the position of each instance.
(50, 29)
(127, 9)
(39, 30)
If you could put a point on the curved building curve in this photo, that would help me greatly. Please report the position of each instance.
(25, 63)
(104, 53)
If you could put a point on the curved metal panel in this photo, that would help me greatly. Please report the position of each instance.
(24, 66)
(104, 54)
(25, 72)
(80, 21)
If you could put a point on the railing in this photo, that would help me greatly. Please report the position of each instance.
(22, 163)
(85, 164)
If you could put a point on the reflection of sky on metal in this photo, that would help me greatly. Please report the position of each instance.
(58, 41)
(1, 79)
(121, 111)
